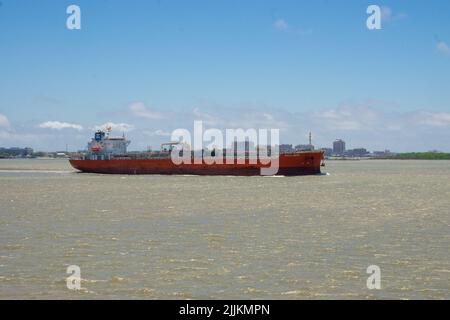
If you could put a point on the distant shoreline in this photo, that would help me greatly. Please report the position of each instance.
(420, 156)
(401, 156)
(394, 156)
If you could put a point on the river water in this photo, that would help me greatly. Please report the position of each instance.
(189, 237)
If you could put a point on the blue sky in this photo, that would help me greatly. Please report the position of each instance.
(149, 67)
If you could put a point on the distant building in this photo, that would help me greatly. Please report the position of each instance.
(304, 147)
(327, 151)
(16, 152)
(339, 147)
(60, 154)
(358, 152)
(286, 148)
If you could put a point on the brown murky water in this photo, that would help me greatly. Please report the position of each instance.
(177, 237)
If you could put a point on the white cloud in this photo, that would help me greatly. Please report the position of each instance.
(10, 138)
(433, 119)
(159, 133)
(373, 124)
(4, 122)
(123, 127)
(205, 117)
(347, 118)
(243, 117)
(281, 25)
(140, 110)
(388, 15)
(443, 47)
(363, 118)
(58, 125)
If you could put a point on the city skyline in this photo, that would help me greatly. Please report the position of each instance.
(330, 150)
(291, 65)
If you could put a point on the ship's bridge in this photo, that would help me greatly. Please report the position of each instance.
(104, 146)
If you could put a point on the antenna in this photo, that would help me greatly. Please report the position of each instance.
(310, 138)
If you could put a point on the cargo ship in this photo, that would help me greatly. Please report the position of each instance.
(108, 155)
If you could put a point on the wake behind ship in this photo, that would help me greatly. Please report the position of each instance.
(109, 155)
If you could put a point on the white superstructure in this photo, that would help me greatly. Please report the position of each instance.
(105, 146)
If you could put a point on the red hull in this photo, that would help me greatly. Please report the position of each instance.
(302, 163)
